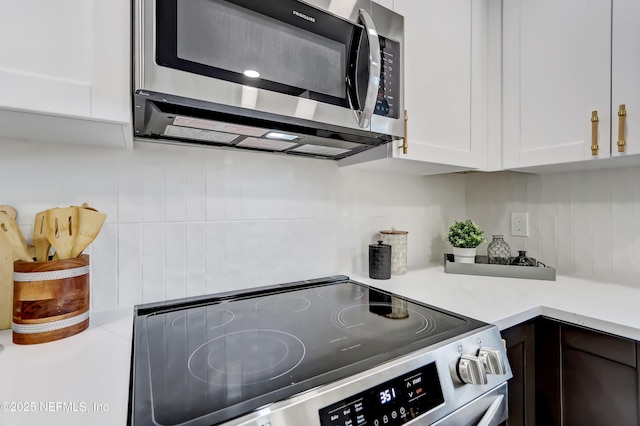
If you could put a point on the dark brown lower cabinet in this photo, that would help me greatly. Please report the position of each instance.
(521, 353)
(569, 375)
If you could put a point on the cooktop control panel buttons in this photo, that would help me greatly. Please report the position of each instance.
(392, 403)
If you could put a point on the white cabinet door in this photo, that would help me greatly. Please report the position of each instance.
(445, 82)
(625, 75)
(64, 63)
(445, 90)
(44, 56)
(556, 71)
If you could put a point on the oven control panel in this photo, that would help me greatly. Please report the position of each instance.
(389, 89)
(392, 403)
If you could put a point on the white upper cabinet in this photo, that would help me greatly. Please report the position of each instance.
(65, 71)
(560, 64)
(445, 86)
(445, 89)
(625, 77)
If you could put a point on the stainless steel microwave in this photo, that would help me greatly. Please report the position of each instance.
(317, 78)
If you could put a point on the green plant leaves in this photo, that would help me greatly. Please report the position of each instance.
(465, 234)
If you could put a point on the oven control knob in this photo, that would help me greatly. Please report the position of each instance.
(471, 370)
(492, 360)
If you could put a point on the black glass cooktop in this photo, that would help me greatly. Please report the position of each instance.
(206, 360)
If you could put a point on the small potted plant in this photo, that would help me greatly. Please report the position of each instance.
(465, 237)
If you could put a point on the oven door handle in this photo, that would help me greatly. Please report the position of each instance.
(489, 418)
(369, 104)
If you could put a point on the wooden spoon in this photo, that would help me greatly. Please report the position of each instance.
(40, 240)
(62, 228)
(13, 236)
(90, 224)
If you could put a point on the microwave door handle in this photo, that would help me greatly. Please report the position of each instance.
(489, 418)
(369, 104)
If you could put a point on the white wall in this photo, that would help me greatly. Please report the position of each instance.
(187, 221)
(584, 223)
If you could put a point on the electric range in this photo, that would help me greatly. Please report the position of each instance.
(324, 352)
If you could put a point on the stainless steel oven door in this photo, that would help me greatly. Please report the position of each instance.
(491, 409)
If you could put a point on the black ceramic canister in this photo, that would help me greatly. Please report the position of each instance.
(380, 261)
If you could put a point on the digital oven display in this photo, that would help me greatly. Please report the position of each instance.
(392, 403)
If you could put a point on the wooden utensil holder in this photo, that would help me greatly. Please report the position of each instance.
(50, 299)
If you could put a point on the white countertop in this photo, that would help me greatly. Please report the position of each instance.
(81, 380)
(84, 379)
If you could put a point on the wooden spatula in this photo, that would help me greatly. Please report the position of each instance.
(13, 214)
(40, 240)
(13, 237)
(62, 229)
(6, 279)
(90, 223)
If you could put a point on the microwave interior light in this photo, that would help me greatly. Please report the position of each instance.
(251, 73)
(281, 136)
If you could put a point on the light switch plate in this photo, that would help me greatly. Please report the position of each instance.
(520, 224)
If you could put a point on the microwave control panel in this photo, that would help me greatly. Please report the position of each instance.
(392, 403)
(389, 89)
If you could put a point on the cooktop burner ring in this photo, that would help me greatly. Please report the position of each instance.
(247, 355)
(367, 326)
(177, 322)
(305, 303)
(212, 365)
(358, 294)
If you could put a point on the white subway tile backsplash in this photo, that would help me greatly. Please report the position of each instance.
(152, 254)
(548, 217)
(104, 189)
(129, 264)
(214, 257)
(175, 189)
(563, 220)
(581, 227)
(188, 221)
(152, 186)
(196, 189)
(129, 194)
(622, 224)
(600, 190)
(582, 223)
(195, 255)
(221, 202)
(254, 188)
(232, 267)
(175, 281)
(103, 254)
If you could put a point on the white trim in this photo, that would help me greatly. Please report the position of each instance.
(49, 326)
(50, 275)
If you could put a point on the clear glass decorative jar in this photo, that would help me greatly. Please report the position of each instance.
(498, 251)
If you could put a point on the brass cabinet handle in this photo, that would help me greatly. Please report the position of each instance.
(622, 115)
(594, 132)
(405, 143)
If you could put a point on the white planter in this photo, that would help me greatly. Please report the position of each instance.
(464, 255)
